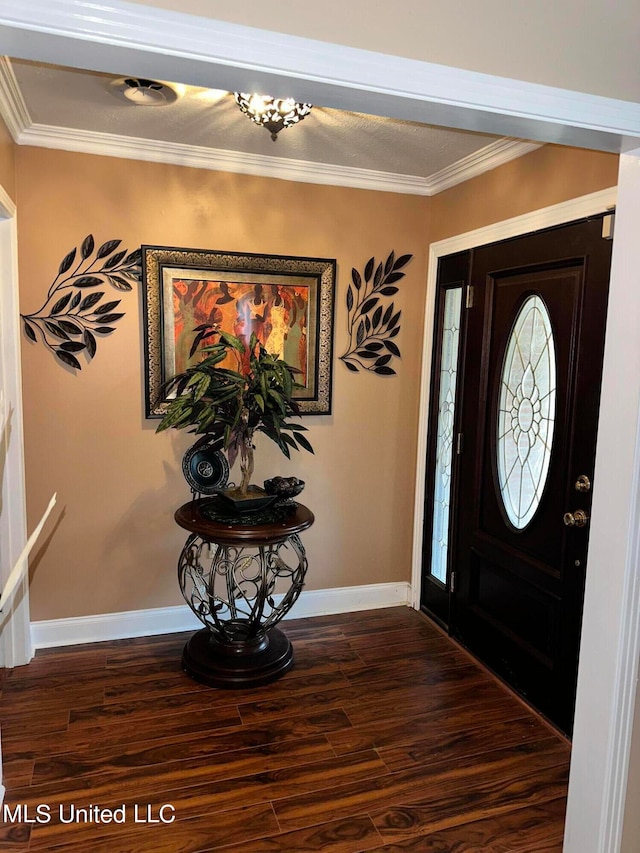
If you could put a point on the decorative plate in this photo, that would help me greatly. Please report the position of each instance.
(205, 470)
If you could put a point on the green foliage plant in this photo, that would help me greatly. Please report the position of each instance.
(227, 407)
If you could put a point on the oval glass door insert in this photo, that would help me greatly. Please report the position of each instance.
(526, 412)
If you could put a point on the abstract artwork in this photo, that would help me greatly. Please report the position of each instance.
(286, 301)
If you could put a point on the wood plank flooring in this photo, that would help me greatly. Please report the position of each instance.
(384, 737)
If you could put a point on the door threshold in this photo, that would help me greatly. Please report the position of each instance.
(500, 681)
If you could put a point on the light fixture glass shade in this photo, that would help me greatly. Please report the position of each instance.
(272, 113)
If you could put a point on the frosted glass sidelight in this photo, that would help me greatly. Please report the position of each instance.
(444, 442)
(526, 412)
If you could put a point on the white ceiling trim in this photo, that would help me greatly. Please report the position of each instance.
(198, 157)
(25, 132)
(91, 35)
(237, 162)
(12, 105)
(495, 154)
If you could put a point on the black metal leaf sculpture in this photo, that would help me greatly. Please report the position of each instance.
(371, 326)
(70, 318)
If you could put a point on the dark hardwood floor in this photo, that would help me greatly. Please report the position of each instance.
(384, 737)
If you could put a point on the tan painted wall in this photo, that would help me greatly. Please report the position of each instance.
(593, 43)
(547, 176)
(115, 545)
(7, 161)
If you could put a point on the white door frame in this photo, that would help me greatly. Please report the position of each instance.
(168, 45)
(15, 633)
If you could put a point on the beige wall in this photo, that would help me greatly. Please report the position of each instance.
(547, 176)
(7, 161)
(592, 43)
(115, 545)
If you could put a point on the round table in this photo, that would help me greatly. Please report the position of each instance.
(228, 571)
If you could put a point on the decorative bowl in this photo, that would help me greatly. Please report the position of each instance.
(284, 488)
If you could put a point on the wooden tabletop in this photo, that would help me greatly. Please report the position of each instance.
(245, 533)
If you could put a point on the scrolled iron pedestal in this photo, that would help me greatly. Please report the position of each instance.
(228, 571)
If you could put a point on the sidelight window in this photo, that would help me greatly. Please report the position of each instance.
(445, 431)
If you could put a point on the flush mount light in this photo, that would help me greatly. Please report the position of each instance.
(273, 113)
(143, 92)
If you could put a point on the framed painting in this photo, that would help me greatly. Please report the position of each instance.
(287, 301)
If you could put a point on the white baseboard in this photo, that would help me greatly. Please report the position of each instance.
(169, 620)
(112, 626)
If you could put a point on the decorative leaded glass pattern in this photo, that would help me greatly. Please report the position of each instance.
(526, 413)
(444, 443)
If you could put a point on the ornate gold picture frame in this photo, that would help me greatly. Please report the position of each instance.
(287, 301)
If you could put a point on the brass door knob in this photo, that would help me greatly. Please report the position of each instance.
(583, 483)
(578, 518)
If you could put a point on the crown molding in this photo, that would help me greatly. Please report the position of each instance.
(16, 115)
(154, 151)
(283, 168)
(490, 157)
(12, 106)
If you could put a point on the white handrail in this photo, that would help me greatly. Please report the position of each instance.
(20, 569)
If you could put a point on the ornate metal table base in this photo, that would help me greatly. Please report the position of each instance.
(253, 665)
(228, 571)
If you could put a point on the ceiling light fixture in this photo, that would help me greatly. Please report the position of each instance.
(272, 113)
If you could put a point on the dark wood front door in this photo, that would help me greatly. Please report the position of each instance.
(530, 370)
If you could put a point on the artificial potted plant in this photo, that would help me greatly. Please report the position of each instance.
(228, 406)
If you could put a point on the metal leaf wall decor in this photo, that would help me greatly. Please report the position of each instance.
(73, 312)
(370, 324)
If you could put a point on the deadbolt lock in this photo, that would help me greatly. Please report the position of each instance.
(583, 483)
(578, 518)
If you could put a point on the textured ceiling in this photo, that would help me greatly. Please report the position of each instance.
(82, 100)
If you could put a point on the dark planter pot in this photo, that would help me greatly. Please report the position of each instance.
(255, 499)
